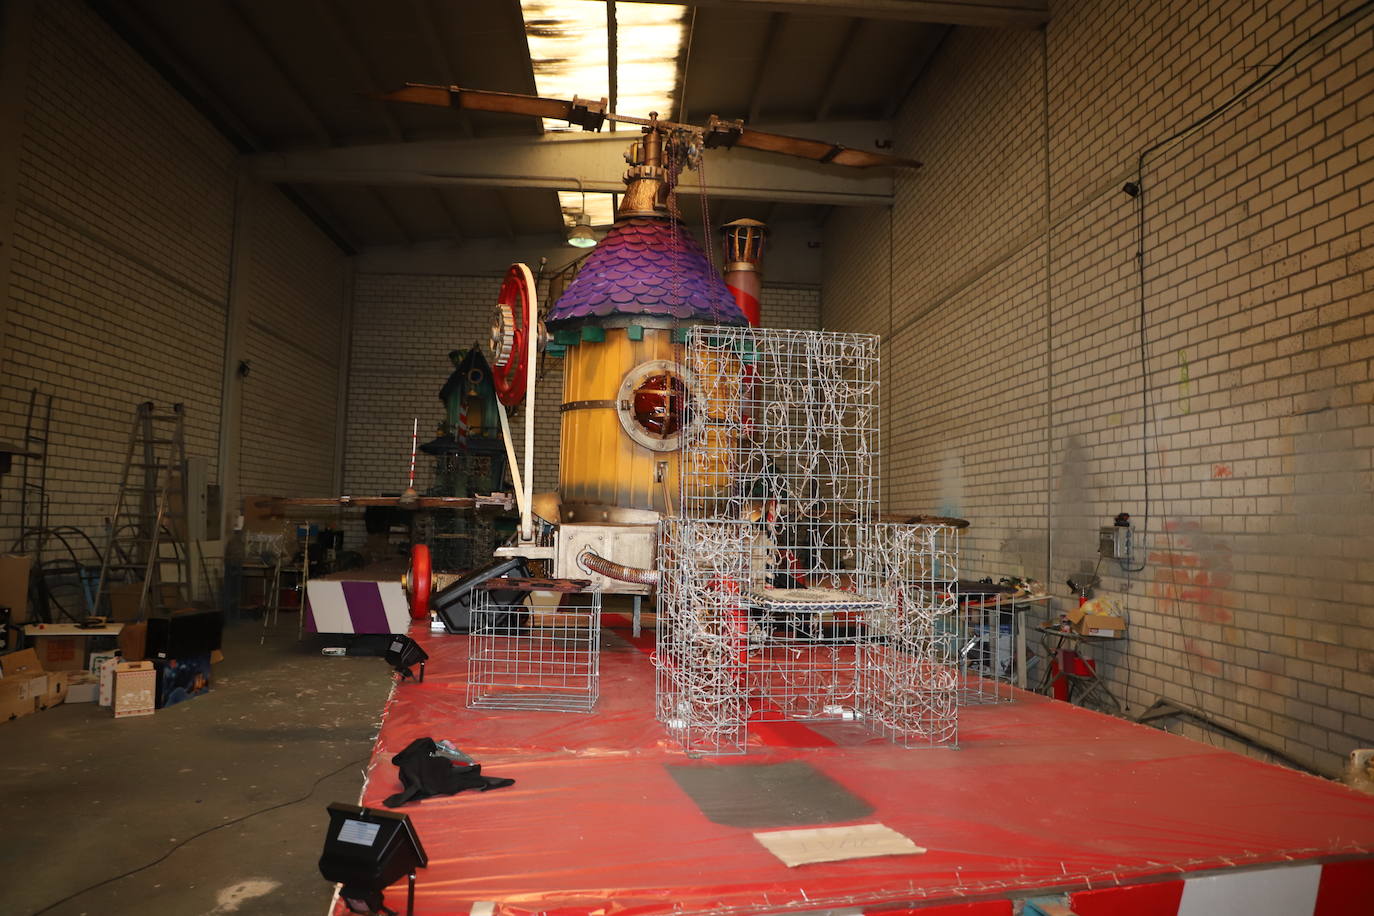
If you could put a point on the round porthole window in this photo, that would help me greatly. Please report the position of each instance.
(654, 404)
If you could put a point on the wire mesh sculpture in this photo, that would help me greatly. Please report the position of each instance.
(781, 596)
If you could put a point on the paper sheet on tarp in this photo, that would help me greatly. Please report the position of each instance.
(1038, 794)
(836, 844)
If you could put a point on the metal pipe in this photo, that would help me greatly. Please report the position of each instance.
(592, 561)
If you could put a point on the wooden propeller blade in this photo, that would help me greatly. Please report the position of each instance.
(504, 102)
(819, 150)
(590, 115)
(329, 502)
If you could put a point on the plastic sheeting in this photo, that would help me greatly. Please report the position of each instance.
(1039, 794)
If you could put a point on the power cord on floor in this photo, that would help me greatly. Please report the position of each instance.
(195, 836)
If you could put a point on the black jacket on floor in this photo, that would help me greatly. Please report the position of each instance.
(424, 775)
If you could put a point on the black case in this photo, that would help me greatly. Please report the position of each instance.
(184, 635)
(453, 603)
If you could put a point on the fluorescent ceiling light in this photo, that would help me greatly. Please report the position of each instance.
(600, 208)
(567, 40)
(568, 49)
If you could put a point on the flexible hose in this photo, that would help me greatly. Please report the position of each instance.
(592, 561)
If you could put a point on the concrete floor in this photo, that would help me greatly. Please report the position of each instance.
(87, 798)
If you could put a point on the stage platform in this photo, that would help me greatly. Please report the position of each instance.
(1039, 798)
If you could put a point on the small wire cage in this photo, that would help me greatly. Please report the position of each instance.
(985, 633)
(538, 652)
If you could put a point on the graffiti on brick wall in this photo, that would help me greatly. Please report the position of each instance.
(1194, 573)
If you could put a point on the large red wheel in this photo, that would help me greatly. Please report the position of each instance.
(513, 335)
(419, 581)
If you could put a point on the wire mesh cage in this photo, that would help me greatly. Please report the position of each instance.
(783, 427)
(534, 650)
(781, 597)
(910, 688)
(702, 643)
(985, 633)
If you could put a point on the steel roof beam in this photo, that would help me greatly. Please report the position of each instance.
(439, 56)
(989, 13)
(765, 65)
(358, 63)
(837, 65)
(589, 162)
(290, 87)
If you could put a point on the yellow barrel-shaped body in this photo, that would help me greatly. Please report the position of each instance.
(603, 474)
(610, 470)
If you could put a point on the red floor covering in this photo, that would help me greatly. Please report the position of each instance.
(1039, 795)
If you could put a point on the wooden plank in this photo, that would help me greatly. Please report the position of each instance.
(536, 585)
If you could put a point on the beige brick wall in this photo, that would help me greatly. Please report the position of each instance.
(1004, 282)
(790, 306)
(294, 293)
(404, 325)
(119, 282)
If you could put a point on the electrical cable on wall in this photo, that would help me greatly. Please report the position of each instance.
(1136, 190)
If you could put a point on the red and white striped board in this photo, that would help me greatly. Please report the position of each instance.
(1293, 889)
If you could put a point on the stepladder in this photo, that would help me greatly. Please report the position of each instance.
(146, 550)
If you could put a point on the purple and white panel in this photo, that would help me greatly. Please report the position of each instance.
(341, 606)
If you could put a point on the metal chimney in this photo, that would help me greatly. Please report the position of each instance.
(744, 240)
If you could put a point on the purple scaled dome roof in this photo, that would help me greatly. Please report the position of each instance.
(651, 267)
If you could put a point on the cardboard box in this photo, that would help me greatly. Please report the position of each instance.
(124, 598)
(135, 689)
(15, 700)
(23, 662)
(180, 679)
(1096, 624)
(56, 691)
(95, 660)
(82, 687)
(133, 641)
(14, 586)
(60, 653)
(25, 687)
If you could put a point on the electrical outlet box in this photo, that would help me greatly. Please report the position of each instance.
(1114, 542)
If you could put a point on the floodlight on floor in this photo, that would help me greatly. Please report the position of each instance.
(366, 851)
(402, 654)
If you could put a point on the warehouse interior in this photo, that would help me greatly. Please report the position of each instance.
(1133, 275)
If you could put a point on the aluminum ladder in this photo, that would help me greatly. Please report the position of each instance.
(146, 534)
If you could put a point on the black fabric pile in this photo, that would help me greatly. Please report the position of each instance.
(424, 775)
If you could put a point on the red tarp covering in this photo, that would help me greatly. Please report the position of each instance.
(1039, 794)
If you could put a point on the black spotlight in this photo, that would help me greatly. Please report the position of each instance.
(367, 850)
(402, 653)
